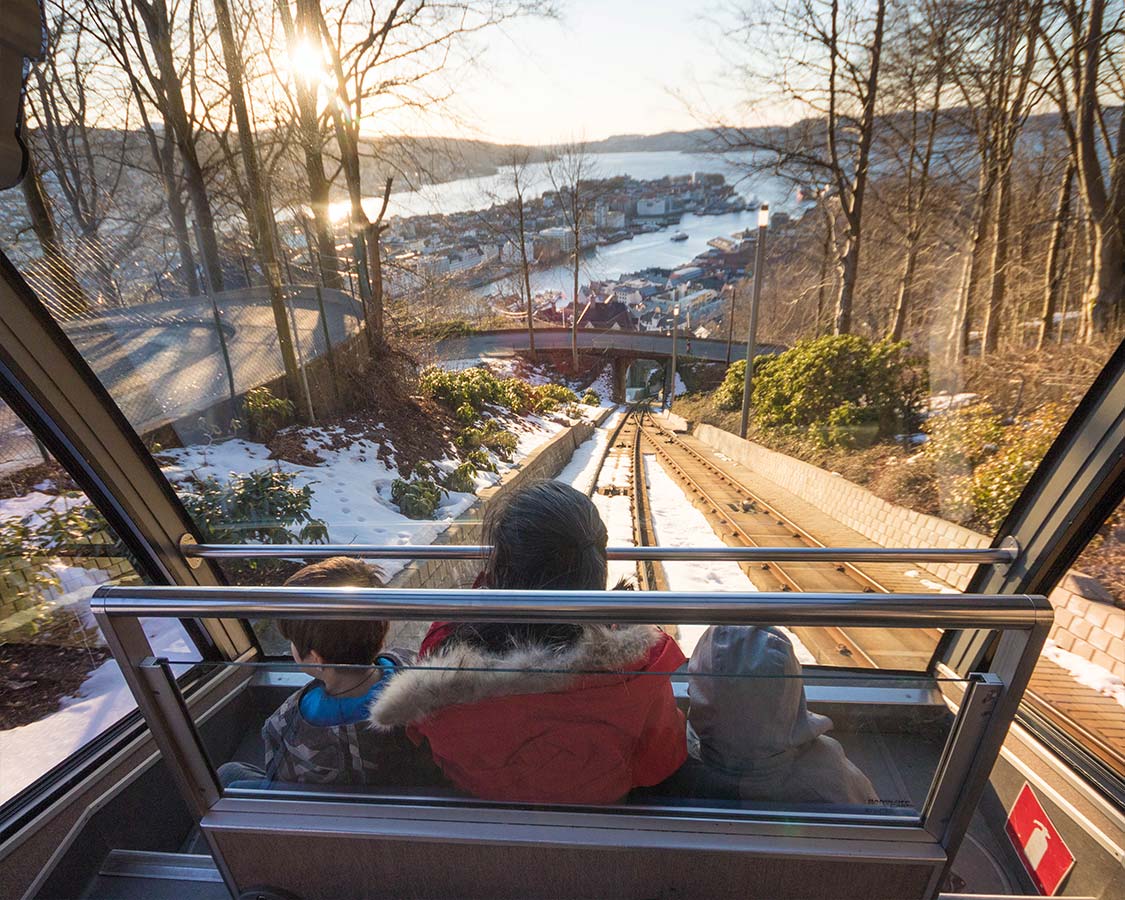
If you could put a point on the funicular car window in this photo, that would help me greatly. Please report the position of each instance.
(617, 717)
(330, 327)
(1087, 646)
(60, 688)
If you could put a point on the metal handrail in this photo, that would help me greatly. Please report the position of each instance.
(995, 555)
(1018, 611)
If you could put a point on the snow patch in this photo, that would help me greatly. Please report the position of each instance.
(679, 524)
(1087, 673)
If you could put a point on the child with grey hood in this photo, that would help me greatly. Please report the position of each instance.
(751, 728)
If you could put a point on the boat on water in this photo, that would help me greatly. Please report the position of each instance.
(680, 236)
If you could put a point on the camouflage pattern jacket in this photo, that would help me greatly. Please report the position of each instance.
(352, 754)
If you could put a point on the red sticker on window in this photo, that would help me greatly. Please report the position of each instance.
(1041, 848)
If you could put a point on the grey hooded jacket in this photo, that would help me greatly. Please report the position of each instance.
(750, 725)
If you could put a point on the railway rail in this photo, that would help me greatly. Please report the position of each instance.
(745, 519)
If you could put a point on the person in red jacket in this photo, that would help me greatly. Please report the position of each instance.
(544, 712)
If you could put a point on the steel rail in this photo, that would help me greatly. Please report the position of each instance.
(864, 580)
(995, 555)
(593, 486)
(1008, 611)
(652, 575)
(845, 643)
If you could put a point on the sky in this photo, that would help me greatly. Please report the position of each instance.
(604, 67)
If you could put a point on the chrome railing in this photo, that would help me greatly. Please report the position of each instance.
(986, 555)
(1016, 611)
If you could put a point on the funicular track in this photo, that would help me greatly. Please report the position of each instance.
(744, 519)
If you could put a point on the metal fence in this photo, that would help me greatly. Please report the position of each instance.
(165, 355)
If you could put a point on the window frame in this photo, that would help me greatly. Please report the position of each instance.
(47, 383)
(1078, 484)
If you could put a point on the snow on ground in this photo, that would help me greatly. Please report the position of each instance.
(103, 699)
(350, 492)
(351, 489)
(944, 401)
(617, 513)
(679, 524)
(582, 469)
(1087, 673)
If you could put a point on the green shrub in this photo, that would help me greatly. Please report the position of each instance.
(497, 438)
(265, 413)
(549, 397)
(591, 398)
(461, 479)
(962, 439)
(838, 390)
(469, 439)
(416, 499)
(263, 507)
(517, 395)
(728, 395)
(992, 489)
(480, 460)
(473, 387)
(477, 388)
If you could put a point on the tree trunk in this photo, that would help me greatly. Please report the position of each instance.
(309, 124)
(155, 17)
(853, 211)
(526, 266)
(75, 302)
(375, 253)
(962, 319)
(905, 289)
(1056, 269)
(262, 214)
(574, 318)
(849, 273)
(825, 268)
(177, 213)
(1000, 239)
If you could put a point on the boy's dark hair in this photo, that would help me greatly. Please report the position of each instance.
(547, 536)
(348, 642)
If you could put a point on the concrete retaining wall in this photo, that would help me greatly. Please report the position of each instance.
(1087, 622)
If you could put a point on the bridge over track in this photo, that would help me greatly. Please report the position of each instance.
(613, 342)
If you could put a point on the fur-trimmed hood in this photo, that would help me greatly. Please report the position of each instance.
(463, 675)
(584, 725)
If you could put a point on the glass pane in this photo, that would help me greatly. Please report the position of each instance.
(1079, 683)
(337, 328)
(59, 686)
(584, 715)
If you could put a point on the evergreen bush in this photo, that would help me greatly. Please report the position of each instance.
(266, 414)
(838, 390)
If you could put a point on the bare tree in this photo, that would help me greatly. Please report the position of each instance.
(263, 214)
(918, 69)
(151, 26)
(120, 39)
(572, 172)
(392, 60)
(89, 164)
(507, 222)
(1083, 41)
(1016, 51)
(302, 36)
(59, 267)
(826, 56)
(1055, 271)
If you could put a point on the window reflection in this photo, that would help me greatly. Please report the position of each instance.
(59, 686)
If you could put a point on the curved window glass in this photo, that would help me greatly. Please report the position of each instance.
(330, 326)
(60, 688)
